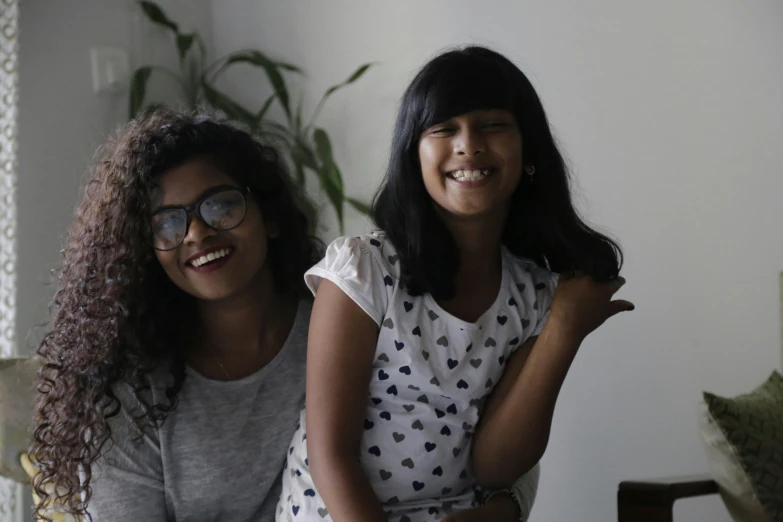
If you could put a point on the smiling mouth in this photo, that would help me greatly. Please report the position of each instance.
(470, 175)
(210, 258)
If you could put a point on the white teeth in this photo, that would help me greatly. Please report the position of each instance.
(210, 257)
(470, 175)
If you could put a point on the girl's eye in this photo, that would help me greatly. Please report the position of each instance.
(497, 124)
(441, 130)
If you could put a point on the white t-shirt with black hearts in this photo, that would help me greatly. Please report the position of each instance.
(431, 375)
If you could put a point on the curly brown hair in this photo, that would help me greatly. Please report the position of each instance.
(113, 312)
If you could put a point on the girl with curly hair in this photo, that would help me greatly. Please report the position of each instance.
(174, 367)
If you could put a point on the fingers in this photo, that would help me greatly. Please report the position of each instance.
(617, 284)
(620, 305)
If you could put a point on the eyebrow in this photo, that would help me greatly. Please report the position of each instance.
(206, 193)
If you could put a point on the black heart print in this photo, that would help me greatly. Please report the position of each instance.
(398, 437)
(393, 500)
(432, 315)
(429, 446)
(385, 475)
(388, 280)
(501, 360)
(452, 364)
(376, 401)
(309, 493)
(463, 475)
(475, 363)
(462, 385)
(375, 242)
(417, 331)
(385, 415)
(418, 485)
(439, 413)
(502, 319)
(445, 431)
(521, 287)
(368, 424)
(513, 341)
(417, 425)
(512, 302)
(393, 259)
(399, 345)
(490, 342)
(438, 471)
(434, 381)
(489, 384)
(425, 355)
(445, 491)
(382, 375)
(456, 452)
(408, 306)
(375, 450)
(525, 323)
(443, 341)
(392, 390)
(405, 370)
(469, 348)
(388, 323)
(423, 399)
(408, 407)
(414, 388)
(383, 357)
(540, 286)
(407, 463)
(452, 409)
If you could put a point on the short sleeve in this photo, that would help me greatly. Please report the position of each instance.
(545, 285)
(352, 265)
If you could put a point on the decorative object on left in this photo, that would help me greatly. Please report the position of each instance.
(9, 53)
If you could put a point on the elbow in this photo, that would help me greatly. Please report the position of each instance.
(323, 460)
(496, 470)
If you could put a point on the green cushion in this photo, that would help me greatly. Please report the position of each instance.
(753, 426)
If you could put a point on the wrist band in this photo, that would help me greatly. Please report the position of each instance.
(514, 497)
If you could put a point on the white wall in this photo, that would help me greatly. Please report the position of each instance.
(671, 115)
(61, 122)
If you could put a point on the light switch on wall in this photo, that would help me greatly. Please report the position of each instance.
(109, 69)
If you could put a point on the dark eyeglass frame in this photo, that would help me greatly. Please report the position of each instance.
(195, 209)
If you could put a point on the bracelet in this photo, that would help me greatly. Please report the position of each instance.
(514, 497)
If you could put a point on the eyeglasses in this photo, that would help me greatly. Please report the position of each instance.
(223, 208)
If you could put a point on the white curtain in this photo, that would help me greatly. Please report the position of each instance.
(9, 17)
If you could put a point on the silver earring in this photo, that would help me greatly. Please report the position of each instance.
(530, 170)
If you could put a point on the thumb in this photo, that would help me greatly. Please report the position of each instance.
(620, 305)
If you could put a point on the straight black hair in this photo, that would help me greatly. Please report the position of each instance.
(542, 224)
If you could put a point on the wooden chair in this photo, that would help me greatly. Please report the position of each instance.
(653, 500)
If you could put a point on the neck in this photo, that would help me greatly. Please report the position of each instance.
(478, 242)
(246, 323)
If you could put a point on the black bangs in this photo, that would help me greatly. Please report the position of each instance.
(459, 84)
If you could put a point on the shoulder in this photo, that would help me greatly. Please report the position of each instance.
(374, 247)
(528, 276)
(366, 268)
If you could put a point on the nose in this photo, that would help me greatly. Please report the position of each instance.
(469, 142)
(197, 231)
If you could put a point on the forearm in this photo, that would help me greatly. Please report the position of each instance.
(512, 439)
(345, 490)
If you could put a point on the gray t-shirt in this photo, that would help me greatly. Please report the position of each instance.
(218, 456)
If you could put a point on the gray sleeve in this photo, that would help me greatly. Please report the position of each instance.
(127, 481)
(526, 488)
